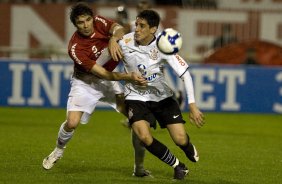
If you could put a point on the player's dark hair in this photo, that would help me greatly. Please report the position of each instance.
(151, 16)
(80, 8)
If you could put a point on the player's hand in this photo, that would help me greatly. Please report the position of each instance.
(137, 79)
(196, 117)
(115, 49)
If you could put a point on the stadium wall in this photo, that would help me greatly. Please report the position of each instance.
(30, 26)
(229, 88)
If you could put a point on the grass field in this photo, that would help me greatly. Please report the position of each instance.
(234, 149)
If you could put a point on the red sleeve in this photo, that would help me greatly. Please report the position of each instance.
(103, 25)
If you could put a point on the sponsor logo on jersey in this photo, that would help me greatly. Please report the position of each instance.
(74, 55)
(101, 20)
(151, 91)
(180, 60)
(143, 70)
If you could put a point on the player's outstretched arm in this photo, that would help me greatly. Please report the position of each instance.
(196, 117)
(117, 76)
(117, 32)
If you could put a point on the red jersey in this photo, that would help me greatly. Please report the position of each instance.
(87, 51)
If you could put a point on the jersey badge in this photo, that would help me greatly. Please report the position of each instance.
(127, 40)
(154, 54)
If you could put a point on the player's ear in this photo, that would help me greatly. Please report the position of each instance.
(153, 29)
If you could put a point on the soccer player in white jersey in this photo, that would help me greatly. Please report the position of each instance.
(148, 5)
(95, 53)
(141, 54)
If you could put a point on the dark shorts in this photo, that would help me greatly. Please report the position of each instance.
(165, 112)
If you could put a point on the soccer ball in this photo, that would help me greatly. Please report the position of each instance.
(169, 41)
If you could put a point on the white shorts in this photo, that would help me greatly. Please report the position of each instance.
(84, 97)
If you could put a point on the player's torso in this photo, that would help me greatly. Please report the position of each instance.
(86, 51)
(92, 46)
(146, 60)
(97, 44)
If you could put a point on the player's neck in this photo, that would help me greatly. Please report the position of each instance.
(147, 41)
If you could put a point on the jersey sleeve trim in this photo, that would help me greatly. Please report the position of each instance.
(184, 72)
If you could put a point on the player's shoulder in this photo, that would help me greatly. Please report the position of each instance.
(100, 20)
(128, 36)
(128, 39)
(73, 40)
(78, 43)
(76, 39)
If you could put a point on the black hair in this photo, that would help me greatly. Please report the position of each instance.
(151, 16)
(80, 8)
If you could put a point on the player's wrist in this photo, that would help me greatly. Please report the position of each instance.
(193, 108)
(192, 105)
(125, 76)
(114, 39)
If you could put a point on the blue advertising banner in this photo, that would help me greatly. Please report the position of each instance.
(34, 83)
(238, 88)
(233, 88)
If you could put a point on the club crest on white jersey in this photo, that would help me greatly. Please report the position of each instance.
(154, 54)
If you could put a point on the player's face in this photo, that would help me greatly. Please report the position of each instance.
(143, 33)
(84, 25)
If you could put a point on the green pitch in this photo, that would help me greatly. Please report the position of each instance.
(234, 149)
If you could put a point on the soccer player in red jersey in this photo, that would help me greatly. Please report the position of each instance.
(95, 53)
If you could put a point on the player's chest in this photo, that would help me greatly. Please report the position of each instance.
(145, 55)
(95, 47)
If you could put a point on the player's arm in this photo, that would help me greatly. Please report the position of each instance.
(195, 115)
(180, 66)
(117, 76)
(117, 32)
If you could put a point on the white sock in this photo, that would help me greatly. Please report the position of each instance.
(59, 152)
(63, 136)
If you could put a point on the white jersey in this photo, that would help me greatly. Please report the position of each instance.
(149, 61)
